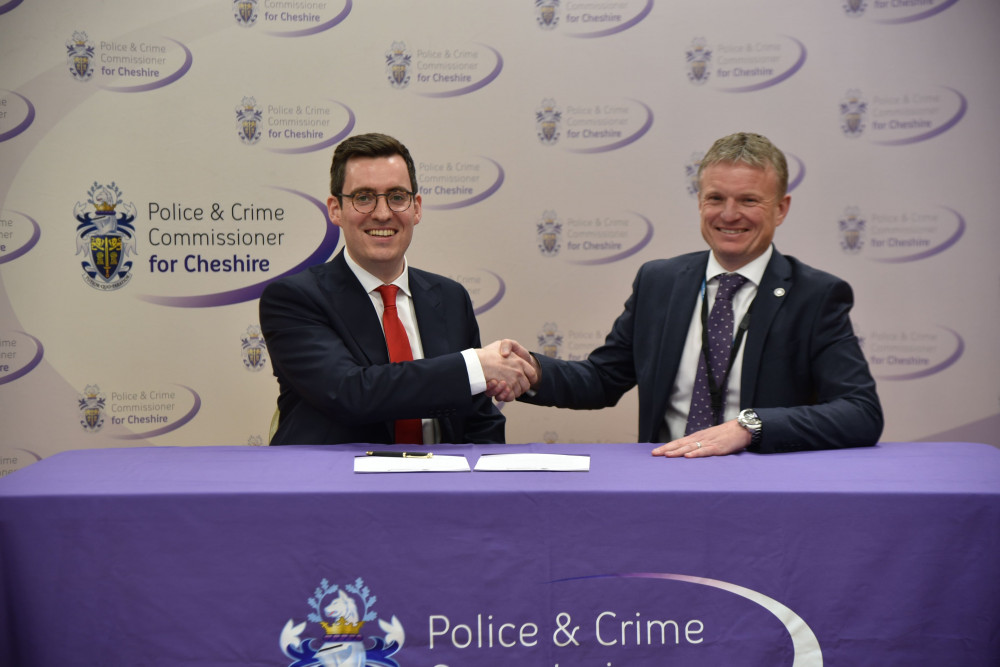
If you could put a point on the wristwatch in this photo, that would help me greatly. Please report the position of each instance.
(749, 420)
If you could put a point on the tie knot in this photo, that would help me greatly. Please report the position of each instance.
(388, 293)
(728, 284)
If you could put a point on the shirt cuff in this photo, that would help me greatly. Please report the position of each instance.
(477, 379)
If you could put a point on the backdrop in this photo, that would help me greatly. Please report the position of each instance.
(161, 162)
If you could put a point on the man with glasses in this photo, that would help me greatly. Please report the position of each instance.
(738, 347)
(368, 349)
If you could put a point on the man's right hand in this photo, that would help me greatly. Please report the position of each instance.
(509, 368)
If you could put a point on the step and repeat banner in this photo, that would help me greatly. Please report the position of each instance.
(161, 162)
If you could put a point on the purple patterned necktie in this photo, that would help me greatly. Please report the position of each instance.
(720, 341)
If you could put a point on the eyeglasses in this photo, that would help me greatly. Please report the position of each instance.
(366, 200)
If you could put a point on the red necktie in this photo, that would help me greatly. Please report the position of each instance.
(408, 431)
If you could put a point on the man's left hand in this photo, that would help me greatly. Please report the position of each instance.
(720, 440)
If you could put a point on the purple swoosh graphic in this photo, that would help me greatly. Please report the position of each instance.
(778, 79)
(188, 59)
(317, 29)
(797, 181)
(323, 251)
(919, 17)
(30, 366)
(623, 142)
(963, 107)
(476, 199)
(496, 299)
(324, 144)
(36, 234)
(169, 427)
(477, 85)
(29, 118)
(807, 651)
(916, 375)
(625, 253)
(952, 240)
(624, 26)
(9, 6)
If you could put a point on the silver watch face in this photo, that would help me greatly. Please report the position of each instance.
(749, 419)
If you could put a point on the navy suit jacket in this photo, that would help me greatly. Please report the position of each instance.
(335, 379)
(803, 370)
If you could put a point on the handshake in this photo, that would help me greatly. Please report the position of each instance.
(509, 368)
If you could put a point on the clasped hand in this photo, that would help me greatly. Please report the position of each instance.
(509, 368)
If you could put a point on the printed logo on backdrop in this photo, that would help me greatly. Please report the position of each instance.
(911, 352)
(19, 233)
(745, 65)
(105, 236)
(256, 441)
(210, 253)
(691, 168)
(91, 404)
(154, 410)
(550, 340)
(549, 233)
(896, 236)
(340, 630)
(899, 118)
(17, 113)
(594, 126)
(598, 18)
(291, 19)
(293, 126)
(20, 353)
(451, 184)
(593, 239)
(485, 288)
(132, 65)
(253, 349)
(442, 71)
(895, 11)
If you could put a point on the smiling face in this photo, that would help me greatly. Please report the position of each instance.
(379, 239)
(740, 209)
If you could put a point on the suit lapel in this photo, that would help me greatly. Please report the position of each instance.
(429, 311)
(353, 308)
(775, 286)
(679, 306)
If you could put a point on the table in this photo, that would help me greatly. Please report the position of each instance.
(237, 555)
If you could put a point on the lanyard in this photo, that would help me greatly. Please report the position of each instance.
(715, 390)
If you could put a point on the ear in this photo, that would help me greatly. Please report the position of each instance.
(333, 210)
(417, 210)
(783, 206)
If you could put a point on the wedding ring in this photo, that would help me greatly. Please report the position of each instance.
(699, 445)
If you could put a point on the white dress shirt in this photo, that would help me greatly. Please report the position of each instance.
(404, 308)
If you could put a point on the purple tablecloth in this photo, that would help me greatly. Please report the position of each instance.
(237, 555)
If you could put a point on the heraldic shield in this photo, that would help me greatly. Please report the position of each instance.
(92, 415)
(81, 64)
(245, 10)
(398, 71)
(249, 129)
(548, 129)
(106, 253)
(549, 241)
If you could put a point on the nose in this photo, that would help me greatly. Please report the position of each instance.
(382, 210)
(730, 210)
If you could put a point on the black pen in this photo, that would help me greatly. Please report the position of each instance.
(403, 455)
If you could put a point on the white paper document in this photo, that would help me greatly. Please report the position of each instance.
(436, 463)
(529, 461)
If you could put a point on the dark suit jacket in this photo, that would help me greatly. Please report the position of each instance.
(803, 370)
(336, 383)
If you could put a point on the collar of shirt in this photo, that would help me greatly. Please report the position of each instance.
(753, 271)
(370, 282)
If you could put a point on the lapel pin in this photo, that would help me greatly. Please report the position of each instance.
(779, 291)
